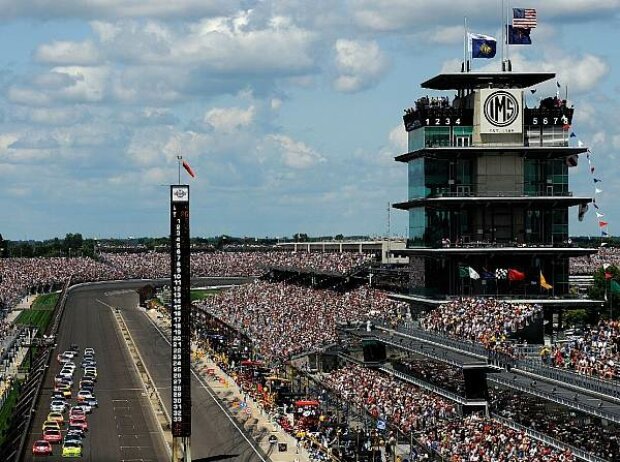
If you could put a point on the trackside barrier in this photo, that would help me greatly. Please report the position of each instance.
(579, 453)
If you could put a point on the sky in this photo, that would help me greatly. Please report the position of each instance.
(289, 111)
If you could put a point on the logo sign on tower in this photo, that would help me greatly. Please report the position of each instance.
(501, 111)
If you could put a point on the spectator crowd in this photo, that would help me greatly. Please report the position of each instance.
(152, 264)
(588, 264)
(283, 320)
(568, 426)
(18, 275)
(438, 373)
(595, 352)
(435, 421)
(484, 320)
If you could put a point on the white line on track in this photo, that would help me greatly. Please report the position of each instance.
(208, 390)
(143, 388)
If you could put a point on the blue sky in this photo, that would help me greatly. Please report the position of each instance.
(288, 110)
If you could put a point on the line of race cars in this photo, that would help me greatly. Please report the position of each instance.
(76, 420)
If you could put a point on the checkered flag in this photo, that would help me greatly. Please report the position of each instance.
(501, 273)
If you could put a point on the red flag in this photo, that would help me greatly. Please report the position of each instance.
(514, 275)
(189, 169)
(608, 275)
(602, 224)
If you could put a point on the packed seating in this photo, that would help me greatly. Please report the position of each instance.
(402, 404)
(19, 275)
(140, 265)
(484, 320)
(283, 320)
(596, 352)
(435, 421)
(567, 425)
(435, 372)
(590, 263)
(476, 438)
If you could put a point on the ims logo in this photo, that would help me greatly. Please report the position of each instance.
(501, 108)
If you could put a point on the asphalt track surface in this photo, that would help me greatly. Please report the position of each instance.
(123, 428)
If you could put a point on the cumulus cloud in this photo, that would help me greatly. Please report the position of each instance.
(62, 52)
(360, 64)
(580, 72)
(401, 15)
(295, 154)
(86, 9)
(229, 119)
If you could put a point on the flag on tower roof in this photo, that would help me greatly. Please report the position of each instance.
(524, 17)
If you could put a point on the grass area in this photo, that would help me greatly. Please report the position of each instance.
(46, 301)
(201, 294)
(41, 312)
(7, 410)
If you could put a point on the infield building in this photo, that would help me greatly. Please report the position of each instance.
(488, 189)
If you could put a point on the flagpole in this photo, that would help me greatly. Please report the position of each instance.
(467, 64)
(179, 158)
(501, 16)
(505, 29)
(465, 44)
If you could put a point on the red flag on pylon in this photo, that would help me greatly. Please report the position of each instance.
(602, 224)
(189, 169)
(515, 275)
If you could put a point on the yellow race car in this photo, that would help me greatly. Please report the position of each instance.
(50, 424)
(56, 417)
(71, 449)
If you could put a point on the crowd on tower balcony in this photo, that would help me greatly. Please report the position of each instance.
(284, 320)
(596, 352)
(564, 424)
(590, 263)
(435, 421)
(485, 320)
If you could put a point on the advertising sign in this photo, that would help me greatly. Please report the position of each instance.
(501, 111)
(180, 310)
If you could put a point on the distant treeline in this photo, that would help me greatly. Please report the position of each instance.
(74, 245)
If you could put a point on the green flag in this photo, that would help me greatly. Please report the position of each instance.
(463, 271)
(615, 287)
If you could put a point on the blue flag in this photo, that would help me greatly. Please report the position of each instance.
(482, 46)
(603, 233)
(519, 36)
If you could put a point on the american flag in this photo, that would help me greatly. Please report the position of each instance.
(524, 17)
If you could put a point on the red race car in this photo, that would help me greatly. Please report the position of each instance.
(52, 435)
(41, 448)
(79, 421)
